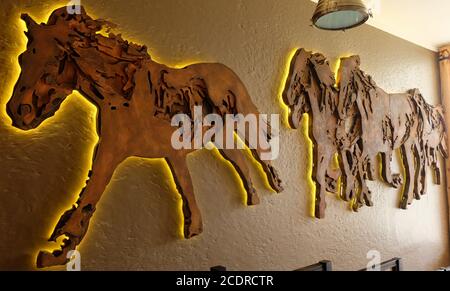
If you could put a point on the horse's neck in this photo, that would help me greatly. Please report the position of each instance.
(322, 101)
(83, 86)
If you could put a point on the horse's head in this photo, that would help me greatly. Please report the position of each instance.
(433, 118)
(309, 75)
(439, 114)
(353, 83)
(345, 81)
(294, 94)
(347, 66)
(47, 74)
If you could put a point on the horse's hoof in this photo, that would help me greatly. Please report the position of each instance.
(356, 206)
(57, 257)
(46, 259)
(252, 197)
(404, 204)
(320, 210)
(397, 180)
(193, 229)
(275, 181)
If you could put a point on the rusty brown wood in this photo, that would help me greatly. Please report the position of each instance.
(356, 119)
(136, 99)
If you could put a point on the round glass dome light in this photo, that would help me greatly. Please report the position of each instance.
(340, 14)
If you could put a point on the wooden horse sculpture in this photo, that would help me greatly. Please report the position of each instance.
(432, 140)
(390, 122)
(310, 89)
(358, 120)
(136, 99)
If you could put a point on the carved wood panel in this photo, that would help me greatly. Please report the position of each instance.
(136, 99)
(358, 120)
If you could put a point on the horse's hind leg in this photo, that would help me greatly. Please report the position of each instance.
(321, 164)
(349, 186)
(192, 217)
(395, 180)
(408, 163)
(365, 195)
(257, 152)
(271, 173)
(421, 172)
(74, 223)
(435, 166)
(237, 159)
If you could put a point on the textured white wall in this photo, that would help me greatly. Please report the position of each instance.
(136, 225)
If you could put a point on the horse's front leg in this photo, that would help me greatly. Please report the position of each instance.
(74, 223)
(408, 163)
(370, 166)
(395, 180)
(321, 163)
(349, 186)
(191, 213)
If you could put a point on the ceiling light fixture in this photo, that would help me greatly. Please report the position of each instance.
(340, 14)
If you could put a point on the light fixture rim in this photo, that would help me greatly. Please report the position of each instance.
(344, 7)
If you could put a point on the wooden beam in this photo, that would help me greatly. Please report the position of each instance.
(444, 63)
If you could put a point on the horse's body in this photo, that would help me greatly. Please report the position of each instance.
(391, 122)
(136, 100)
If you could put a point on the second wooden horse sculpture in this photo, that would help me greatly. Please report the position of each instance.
(358, 120)
(136, 99)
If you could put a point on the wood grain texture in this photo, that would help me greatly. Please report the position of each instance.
(444, 65)
(357, 120)
(136, 99)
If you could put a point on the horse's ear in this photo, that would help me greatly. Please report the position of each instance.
(29, 21)
(415, 93)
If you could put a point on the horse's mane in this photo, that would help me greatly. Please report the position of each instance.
(94, 50)
(358, 85)
(321, 71)
(80, 37)
(307, 71)
(433, 115)
(84, 26)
